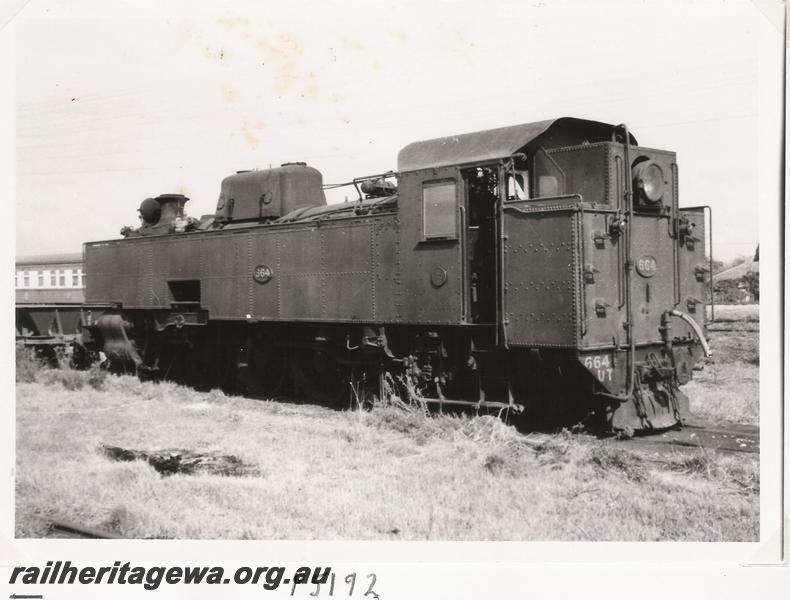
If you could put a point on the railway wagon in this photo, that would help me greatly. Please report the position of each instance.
(49, 302)
(543, 268)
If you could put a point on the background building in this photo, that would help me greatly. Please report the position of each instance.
(52, 279)
(738, 284)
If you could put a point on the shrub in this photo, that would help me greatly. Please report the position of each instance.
(411, 423)
(69, 379)
(495, 462)
(121, 522)
(612, 459)
(27, 365)
(97, 377)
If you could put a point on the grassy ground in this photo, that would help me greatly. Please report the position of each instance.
(385, 474)
(736, 312)
(727, 389)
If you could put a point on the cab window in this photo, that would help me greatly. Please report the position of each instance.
(439, 209)
(517, 186)
(549, 177)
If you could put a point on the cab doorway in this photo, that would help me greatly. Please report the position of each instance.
(482, 234)
(482, 196)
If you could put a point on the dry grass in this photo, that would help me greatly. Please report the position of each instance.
(27, 364)
(727, 389)
(749, 313)
(383, 474)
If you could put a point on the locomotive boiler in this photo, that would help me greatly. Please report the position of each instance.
(545, 268)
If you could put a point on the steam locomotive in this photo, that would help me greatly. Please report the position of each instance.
(545, 269)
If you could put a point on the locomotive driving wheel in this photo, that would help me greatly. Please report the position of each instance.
(319, 377)
(267, 372)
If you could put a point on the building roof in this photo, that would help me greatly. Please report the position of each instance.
(738, 271)
(49, 259)
(492, 144)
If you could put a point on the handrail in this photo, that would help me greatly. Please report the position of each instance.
(465, 279)
(620, 170)
(545, 199)
(628, 267)
(675, 235)
(535, 211)
(501, 329)
(709, 210)
(486, 162)
(582, 265)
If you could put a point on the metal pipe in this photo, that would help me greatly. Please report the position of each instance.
(508, 205)
(710, 261)
(490, 162)
(675, 235)
(545, 199)
(582, 260)
(629, 196)
(89, 532)
(709, 210)
(465, 278)
(620, 196)
(469, 404)
(695, 327)
(500, 270)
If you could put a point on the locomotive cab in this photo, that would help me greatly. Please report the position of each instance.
(575, 256)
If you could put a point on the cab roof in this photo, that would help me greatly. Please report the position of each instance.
(493, 144)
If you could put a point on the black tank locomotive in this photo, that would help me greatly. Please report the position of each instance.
(543, 268)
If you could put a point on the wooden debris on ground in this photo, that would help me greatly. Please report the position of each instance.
(169, 462)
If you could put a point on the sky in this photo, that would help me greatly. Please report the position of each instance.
(116, 106)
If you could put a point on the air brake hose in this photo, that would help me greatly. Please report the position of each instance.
(695, 327)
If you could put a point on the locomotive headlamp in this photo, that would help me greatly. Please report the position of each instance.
(649, 181)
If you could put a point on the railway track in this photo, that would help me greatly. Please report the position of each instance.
(728, 327)
(732, 325)
(696, 435)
